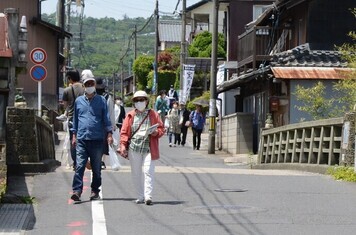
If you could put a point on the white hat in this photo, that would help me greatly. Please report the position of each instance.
(87, 75)
(140, 94)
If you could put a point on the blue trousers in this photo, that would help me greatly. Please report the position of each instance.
(86, 149)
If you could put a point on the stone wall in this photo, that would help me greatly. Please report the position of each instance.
(237, 133)
(21, 143)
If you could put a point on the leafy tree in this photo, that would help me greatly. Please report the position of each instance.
(141, 67)
(202, 45)
(314, 101)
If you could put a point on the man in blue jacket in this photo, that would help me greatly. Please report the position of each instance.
(91, 124)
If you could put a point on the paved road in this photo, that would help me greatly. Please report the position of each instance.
(187, 200)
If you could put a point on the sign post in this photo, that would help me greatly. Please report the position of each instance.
(38, 72)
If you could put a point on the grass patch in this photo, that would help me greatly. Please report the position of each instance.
(342, 173)
(27, 200)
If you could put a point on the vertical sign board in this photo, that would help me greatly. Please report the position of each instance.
(38, 72)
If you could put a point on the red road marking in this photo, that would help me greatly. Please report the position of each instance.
(76, 233)
(77, 224)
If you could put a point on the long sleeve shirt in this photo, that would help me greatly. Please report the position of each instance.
(91, 118)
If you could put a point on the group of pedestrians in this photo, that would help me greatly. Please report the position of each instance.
(94, 117)
(177, 119)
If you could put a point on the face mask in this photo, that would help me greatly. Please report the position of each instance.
(118, 102)
(140, 105)
(90, 90)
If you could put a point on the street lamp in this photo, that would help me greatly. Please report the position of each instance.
(22, 40)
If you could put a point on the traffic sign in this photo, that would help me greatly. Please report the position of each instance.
(38, 73)
(38, 55)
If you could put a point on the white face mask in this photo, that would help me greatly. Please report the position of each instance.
(140, 105)
(118, 102)
(90, 90)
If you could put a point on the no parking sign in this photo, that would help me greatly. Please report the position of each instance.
(38, 73)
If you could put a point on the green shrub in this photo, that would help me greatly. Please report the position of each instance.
(342, 173)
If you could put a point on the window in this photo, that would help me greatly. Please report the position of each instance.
(258, 10)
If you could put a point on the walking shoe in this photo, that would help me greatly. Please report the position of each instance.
(75, 196)
(103, 166)
(94, 196)
(148, 202)
(170, 145)
(174, 145)
(139, 201)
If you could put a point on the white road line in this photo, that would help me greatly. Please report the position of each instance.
(230, 171)
(98, 216)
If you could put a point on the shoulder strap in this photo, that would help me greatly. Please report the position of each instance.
(138, 128)
(74, 97)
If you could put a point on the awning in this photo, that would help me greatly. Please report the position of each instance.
(310, 72)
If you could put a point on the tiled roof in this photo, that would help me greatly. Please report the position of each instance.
(302, 56)
(171, 31)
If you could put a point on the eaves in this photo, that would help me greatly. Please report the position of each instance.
(58, 30)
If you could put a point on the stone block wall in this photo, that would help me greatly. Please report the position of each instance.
(237, 133)
(21, 143)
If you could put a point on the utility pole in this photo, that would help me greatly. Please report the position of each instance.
(155, 76)
(122, 80)
(135, 57)
(68, 30)
(212, 103)
(182, 49)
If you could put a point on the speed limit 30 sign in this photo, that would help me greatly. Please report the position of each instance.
(38, 55)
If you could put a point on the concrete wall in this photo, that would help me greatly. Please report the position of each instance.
(237, 133)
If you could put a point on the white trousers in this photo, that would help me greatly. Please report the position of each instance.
(142, 178)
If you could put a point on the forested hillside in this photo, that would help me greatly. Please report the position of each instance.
(105, 41)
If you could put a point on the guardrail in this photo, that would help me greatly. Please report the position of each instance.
(314, 142)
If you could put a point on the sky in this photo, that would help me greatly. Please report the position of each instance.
(118, 8)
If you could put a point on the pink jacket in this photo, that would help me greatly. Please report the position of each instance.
(125, 132)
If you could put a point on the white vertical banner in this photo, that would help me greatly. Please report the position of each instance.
(220, 78)
(188, 75)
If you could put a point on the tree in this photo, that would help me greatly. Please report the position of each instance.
(202, 45)
(141, 68)
(314, 102)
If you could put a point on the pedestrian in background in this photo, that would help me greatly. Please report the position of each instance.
(184, 117)
(172, 96)
(100, 90)
(91, 124)
(161, 105)
(70, 93)
(140, 149)
(174, 127)
(120, 112)
(197, 119)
